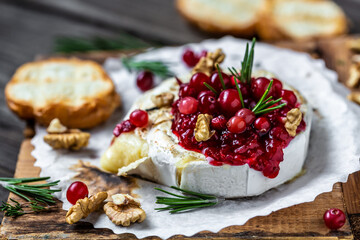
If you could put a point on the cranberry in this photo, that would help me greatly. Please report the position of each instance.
(203, 53)
(244, 87)
(247, 115)
(139, 118)
(215, 81)
(334, 218)
(289, 97)
(229, 101)
(279, 133)
(186, 91)
(188, 105)
(259, 86)
(276, 87)
(77, 190)
(125, 126)
(197, 81)
(206, 93)
(208, 104)
(190, 58)
(219, 122)
(262, 124)
(236, 124)
(145, 80)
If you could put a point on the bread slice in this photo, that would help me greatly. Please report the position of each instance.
(77, 92)
(301, 20)
(236, 17)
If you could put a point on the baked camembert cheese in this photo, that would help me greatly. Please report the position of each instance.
(234, 136)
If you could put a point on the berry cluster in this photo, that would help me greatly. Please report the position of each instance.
(138, 118)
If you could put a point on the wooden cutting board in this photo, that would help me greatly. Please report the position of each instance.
(303, 221)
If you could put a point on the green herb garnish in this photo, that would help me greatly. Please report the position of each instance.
(156, 67)
(247, 63)
(37, 195)
(181, 203)
(211, 88)
(221, 77)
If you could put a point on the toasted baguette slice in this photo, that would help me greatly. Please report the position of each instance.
(301, 20)
(237, 17)
(79, 93)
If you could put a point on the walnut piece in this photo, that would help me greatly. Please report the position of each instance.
(354, 44)
(73, 139)
(354, 96)
(293, 120)
(208, 64)
(55, 126)
(84, 207)
(202, 128)
(124, 210)
(160, 116)
(354, 75)
(163, 99)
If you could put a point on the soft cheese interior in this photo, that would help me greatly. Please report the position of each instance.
(154, 153)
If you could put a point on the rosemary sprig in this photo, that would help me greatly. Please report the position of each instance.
(211, 88)
(37, 195)
(156, 67)
(182, 203)
(263, 104)
(236, 76)
(12, 210)
(221, 77)
(76, 44)
(247, 63)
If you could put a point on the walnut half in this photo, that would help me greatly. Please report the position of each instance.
(293, 120)
(124, 210)
(84, 207)
(202, 128)
(208, 64)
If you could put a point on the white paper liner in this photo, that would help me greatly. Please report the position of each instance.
(333, 152)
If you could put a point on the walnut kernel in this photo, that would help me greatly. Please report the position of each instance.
(354, 75)
(202, 128)
(163, 99)
(354, 96)
(73, 139)
(124, 210)
(55, 126)
(84, 207)
(208, 64)
(293, 120)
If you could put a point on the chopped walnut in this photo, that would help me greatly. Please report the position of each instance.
(354, 44)
(202, 128)
(163, 99)
(160, 116)
(73, 139)
(355, 97)
(354, 75)
(208, 64)
(84, 207)
(293, 120)
(55, 126)
(124, 210)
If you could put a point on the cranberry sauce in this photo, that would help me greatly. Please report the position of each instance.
(259, 144)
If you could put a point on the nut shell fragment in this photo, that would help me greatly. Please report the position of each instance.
(202, 128)
(73, 139)
(208, 64)
(124, 210)
(163, 99)
(293, 120)
(84, 207)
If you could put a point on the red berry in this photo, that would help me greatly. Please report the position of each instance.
(289, 97)
(236, 124)
(244, 88)
(259, 86)
(139, 118)
(203, 53)
(145, 81)
(197, 81)
(188, 105)
(262, 124)
(334, 218)
(229, 101)
(219, 123)
(206, 93)
(279, 133)
(77, 190)
(190, 58)
(186, 90)
(208, 104)
(276, 87)
(247, 115)
(215, 81)
(125, 126)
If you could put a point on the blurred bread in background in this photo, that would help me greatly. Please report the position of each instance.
(270, 19)
(77, 92)
(237, 17)
(301, 19)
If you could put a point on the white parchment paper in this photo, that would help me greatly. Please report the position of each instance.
(333, 154)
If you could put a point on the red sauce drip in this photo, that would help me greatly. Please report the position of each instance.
(262, 152)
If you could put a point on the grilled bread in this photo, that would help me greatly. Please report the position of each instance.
(79, 93)
(237, 17)
(270, 19)
(301, 20)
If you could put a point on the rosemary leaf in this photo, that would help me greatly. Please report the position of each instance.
(156, 67)
(211, 88)
(221, 77)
